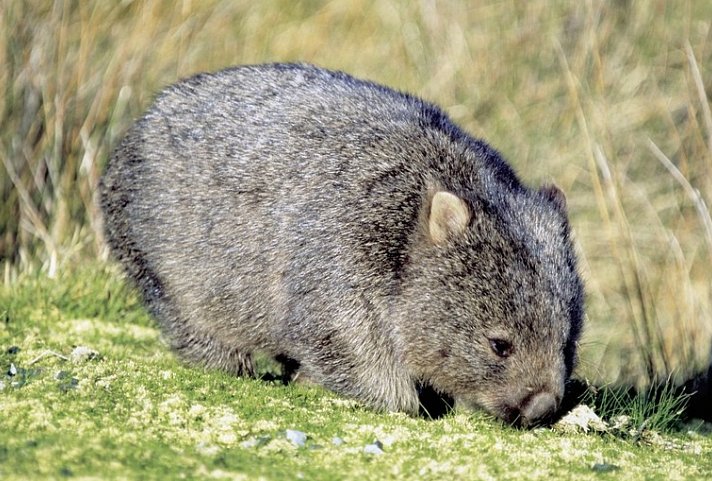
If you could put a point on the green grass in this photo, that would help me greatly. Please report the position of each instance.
(658, 408)
(607, 99)
(135, 412)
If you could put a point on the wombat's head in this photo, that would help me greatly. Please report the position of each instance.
(494, 303)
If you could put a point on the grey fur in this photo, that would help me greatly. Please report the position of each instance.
(284, 209)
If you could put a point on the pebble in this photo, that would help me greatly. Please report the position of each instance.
(581, 418)
(207, 449)
(297, 438)
(250, 443)
(375, 448)
(255, 442)
(621, 422)
(82, 354)
(604, 467)
(13, 370)
(337, 441)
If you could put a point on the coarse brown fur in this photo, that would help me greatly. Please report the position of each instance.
(351, 230)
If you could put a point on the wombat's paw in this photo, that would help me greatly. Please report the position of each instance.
(234, 362)
(206, 351)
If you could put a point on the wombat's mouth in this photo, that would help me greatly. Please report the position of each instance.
(514, 418)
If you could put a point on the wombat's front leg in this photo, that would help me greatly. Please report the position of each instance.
(379, 385)
(208, 351)
(388, 388)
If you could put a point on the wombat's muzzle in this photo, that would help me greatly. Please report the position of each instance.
(538, 409)
(535, 408)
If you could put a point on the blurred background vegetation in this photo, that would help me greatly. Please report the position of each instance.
(610, 100)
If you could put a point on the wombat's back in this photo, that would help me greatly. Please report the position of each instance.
(284, 208)
(252, 171)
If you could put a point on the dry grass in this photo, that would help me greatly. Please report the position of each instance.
(608, 99)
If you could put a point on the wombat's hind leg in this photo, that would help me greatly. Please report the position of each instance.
(211, 353)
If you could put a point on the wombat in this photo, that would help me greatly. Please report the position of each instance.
(350, 231)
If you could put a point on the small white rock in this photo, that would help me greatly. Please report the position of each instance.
(82, 354)
(375, 448)
(620, 422)
(337, 441)
(581, 418)
(196, 411)
(250, 443)
(297, 438)
(13, 370)
(207, 449)
(255, 442)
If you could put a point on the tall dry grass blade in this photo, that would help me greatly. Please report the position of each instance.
(571, 85)
(700, 86)
(27, 206)
(606, 195)
(651, 344)
(641, 335)
(694, 195)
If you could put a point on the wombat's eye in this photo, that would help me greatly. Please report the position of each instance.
(501, 347)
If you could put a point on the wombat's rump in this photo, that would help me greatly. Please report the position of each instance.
(351, 230)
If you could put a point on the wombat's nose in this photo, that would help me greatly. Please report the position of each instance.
(538, 407)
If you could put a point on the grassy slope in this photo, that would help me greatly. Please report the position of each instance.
(137, 413)
(570, 92)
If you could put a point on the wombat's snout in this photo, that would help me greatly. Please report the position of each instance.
(534, 409)
(538, 408)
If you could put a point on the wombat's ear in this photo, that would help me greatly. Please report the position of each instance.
(553, 194)
(449, 216)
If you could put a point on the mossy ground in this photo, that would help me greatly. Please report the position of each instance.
(135, 412)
